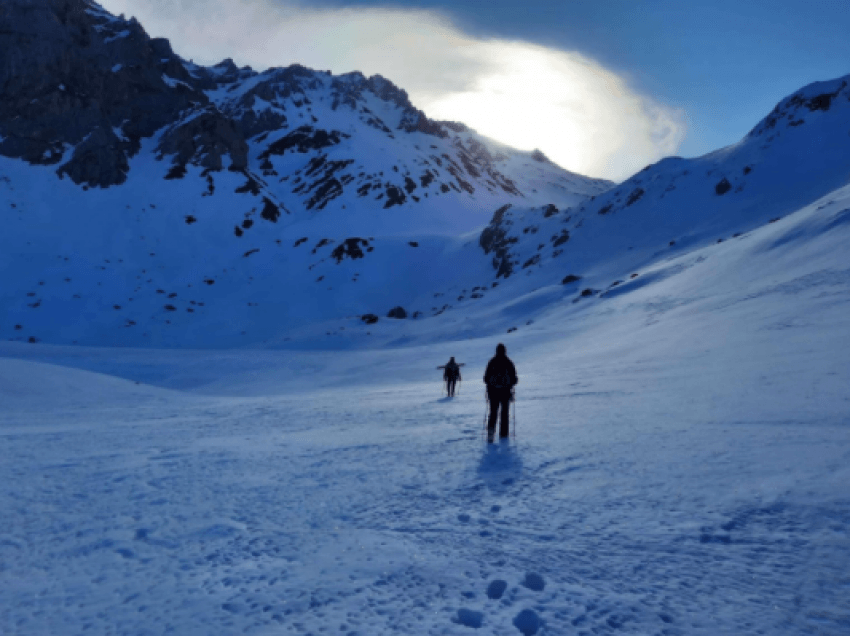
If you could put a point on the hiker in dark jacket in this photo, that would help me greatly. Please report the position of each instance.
(451, 375)
(500, 378)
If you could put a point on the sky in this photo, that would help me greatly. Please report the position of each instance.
(602, 87)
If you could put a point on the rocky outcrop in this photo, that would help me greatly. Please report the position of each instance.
(99, 160)
(203, 140)
(73, 75)
(398, 313)
(494, 239)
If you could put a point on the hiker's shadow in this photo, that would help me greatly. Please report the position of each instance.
(500, 466)
(444, 399)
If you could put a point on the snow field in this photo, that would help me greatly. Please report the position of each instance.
(680, 467)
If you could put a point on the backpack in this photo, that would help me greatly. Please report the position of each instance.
(501, 380)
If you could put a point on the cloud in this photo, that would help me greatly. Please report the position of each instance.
(581, 115)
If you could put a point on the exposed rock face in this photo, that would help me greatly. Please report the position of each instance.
(495, 239)
(794, 109)
(99, 160)
(72, 74)
(203, 140)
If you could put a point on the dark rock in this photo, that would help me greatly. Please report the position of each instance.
(249, 252)
(395, 196)
(635, 196)
(300, 241)
(204, 140)
(537, 155)
(250, 186)
(560, 239)
(321, 244)
(350, 248)
(303, 139)
(587, 292)
(397, 312)
(549, 210)
(100, 160)
(723, 186)
(271, 212)
(69, 70)
(369, 319)
(570, 278)
(494, 238)
(176, 172)
(413, 244)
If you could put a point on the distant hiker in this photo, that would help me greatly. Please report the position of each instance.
(451, 375)
(500, 378)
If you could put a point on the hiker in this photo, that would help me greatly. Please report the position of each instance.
(451, 375)
(500, 378)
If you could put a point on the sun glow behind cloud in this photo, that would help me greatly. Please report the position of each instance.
(581, 115)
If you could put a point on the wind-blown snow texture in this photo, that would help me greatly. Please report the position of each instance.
(681, 457)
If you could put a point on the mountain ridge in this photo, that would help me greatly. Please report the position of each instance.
(292, 207)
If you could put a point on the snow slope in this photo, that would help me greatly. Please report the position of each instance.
(680, 467)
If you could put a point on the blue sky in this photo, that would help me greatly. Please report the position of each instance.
(603, 88)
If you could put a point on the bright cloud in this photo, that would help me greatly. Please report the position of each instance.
(581, 115)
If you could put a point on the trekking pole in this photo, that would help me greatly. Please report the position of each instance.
(513, 428)
(484, 431)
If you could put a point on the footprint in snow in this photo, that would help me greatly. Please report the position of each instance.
(528, 622)
(469, 618)
(534, 582)
(496, 589)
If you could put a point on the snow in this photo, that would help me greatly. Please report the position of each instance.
(118, 36)
(679, 466)
(174, 83)
(117, 68)
(231, 449)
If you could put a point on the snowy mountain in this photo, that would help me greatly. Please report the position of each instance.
(150, 201)
(160, 179)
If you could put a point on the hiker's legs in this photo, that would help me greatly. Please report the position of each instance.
(452, 387)
(494, 410)
(505, 404)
